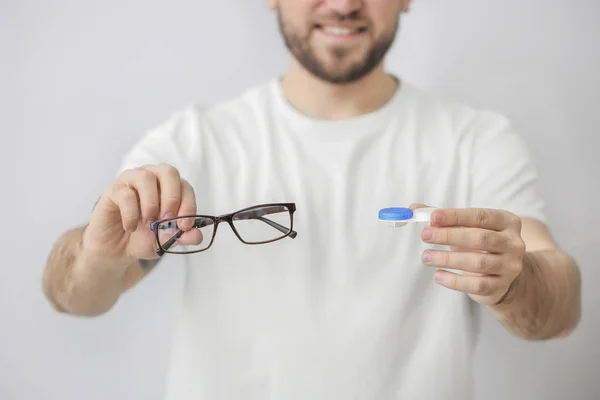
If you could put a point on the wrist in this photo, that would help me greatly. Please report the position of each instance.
(512, 294)
(91, 254)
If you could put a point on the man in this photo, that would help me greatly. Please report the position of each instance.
(348, 308)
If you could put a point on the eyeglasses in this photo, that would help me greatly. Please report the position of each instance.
(264, 223)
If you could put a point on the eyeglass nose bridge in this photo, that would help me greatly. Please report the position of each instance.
(224, 218)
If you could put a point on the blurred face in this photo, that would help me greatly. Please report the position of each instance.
(339, 41)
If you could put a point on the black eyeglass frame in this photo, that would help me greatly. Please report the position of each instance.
(216, 220)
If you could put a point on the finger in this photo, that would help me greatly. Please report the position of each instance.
(466, 250)
(475, 285)
(169, 183)
(473, 238)
(146, 186)
(180, 238)
(414, 206)
(126, 200)
(192, 237)
(495, 220)
(188, 204)
(486, 264)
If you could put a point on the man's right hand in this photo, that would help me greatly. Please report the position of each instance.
(120, 224)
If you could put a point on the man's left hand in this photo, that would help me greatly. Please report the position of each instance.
(485, 244)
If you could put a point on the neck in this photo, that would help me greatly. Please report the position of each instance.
(322, 100)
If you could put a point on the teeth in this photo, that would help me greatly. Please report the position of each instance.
(336, 30)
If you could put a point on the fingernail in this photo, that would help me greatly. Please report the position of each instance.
(427, 234)
(437, 217)
(426, 257)
(149, 221)
(168, 215)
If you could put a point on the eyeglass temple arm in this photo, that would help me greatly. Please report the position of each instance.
(275, 225)
(160, 251)
(258, 216)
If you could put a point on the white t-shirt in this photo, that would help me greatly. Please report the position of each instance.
(346, 310)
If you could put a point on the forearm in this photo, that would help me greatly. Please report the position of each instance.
(544, 300)
(80, 283)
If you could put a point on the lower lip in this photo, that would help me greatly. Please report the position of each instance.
(338, 39)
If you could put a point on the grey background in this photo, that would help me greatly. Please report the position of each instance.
(80, 82)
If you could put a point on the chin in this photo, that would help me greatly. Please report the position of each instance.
(342, 66)
(349, 73)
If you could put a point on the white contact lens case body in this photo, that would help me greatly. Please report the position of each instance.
(400, 216)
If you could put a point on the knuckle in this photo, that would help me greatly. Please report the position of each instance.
(479, 287)
(127, 172)
(127, 194)
(121, 193)
(482, 264)
(482, 239)
(516, 266)
(172, 196)
(515, 221)
(519, 246)
(124, 176)
(454, 217)
(144, 175)
(113, 190)
(137, 176)
(501, 242)
(450, 235)
(481, 217)
(498, 241)
(446, 259)
(128, 204)
(170, 170)
(453, 282)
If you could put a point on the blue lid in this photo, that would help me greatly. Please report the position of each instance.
(395, 214)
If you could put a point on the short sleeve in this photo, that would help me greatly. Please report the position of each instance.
(503, 173)
(172, 142)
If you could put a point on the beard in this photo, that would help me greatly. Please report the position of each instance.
(299, 46)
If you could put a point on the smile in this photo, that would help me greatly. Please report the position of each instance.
(341, 31)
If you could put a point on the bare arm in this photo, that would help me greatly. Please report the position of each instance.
(80, 283)
(544, 301)
(91, 266)
(509, 264)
